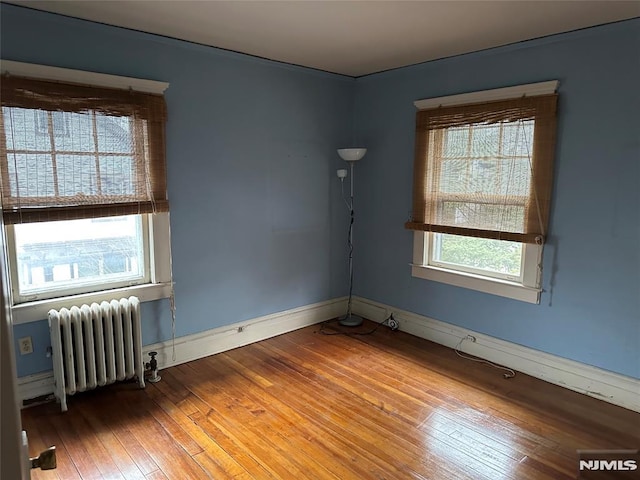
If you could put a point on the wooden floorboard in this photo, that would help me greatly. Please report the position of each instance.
(310, 406)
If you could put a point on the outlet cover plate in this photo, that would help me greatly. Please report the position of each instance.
(26, 345)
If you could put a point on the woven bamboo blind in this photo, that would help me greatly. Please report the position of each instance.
(486, 169)
(74, 151)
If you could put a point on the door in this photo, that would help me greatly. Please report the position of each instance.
(14, 462)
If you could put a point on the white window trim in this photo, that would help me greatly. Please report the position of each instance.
(431, 246)
(496, 94)
(36, 311)
(160, 285)
(46, 72)
(159, 245)
(72, 289)
(529, 289)
(525, 291)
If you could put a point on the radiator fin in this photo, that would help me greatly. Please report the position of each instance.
(95, 345)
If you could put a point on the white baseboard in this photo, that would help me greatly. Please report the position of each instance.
(36, 385)
(210, 342)
(598, 383)
(217, 340)
(595, 382)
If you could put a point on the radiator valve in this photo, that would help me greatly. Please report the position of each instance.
(153, 366)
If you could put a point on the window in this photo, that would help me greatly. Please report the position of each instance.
(482, 188)
(484, 256)
(103, 157)
(76, 256)
(83, 188)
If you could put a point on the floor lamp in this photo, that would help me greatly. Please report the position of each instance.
(351, 156)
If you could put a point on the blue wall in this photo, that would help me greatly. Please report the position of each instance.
(257, 221)
(256, 217)
(590, 310)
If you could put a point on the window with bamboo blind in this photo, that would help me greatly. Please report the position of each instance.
(483, 177)
(82, 185)
(75, 151)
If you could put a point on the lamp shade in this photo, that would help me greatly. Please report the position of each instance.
(351, 154)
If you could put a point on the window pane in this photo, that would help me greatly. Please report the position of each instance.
(515, 177)
(483, 176)
(33, 173)
(78, 134)
(114, 134)
(117, 175)
(485, 141)
(76, 253)
(453, 176)
(478, 253)
(455, 142)
(517, 138)
(76, 175)
(20, 131)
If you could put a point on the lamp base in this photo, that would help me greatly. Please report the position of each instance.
(350, 321)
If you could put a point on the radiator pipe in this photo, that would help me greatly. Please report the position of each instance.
(153, 366)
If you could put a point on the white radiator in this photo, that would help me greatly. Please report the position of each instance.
(95, 345)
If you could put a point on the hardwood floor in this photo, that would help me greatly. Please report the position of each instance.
(311, 406)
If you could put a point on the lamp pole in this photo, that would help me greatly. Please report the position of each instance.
(350, 155)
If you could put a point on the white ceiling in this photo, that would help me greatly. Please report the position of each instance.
(348, 37)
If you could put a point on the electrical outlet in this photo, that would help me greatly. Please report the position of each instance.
(25, 345)
(392, 323)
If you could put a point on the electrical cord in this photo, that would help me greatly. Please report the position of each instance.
(350, 245)
(390, 322)
(347, 333)
(172, 298)
(509, 372)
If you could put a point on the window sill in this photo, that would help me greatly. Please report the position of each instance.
(492, 286)
(35, 311)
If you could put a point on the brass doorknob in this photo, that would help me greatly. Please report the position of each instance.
(46, 460)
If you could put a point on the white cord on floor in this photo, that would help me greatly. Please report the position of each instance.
(510, 373)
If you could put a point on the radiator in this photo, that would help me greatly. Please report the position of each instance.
(95, 345)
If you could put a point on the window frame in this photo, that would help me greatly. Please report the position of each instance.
(158, 242)
(430, 253)
(77, 289)
(157, 286)
(144, 192)
(526, 291)
(528, 288)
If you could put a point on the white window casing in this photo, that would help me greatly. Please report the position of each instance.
(158, 282)
(159, 285)
(494, 95)
(46, 72)
(529, 289)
